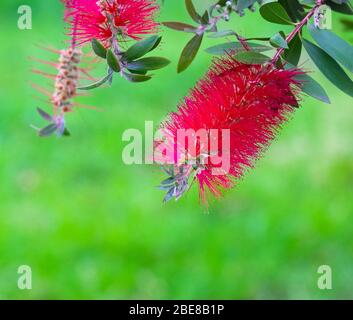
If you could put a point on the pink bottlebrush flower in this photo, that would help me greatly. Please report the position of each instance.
(248, 103)
(66, 81)
(104, 19)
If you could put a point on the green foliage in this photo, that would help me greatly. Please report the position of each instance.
(113, 61)
(224, 48)
(251, 57)
(278, 41)
(126, 63)
(293, 53)
(99, 49)
(189, 52)
(275, 13)
(329, 67)
(334, 45)
(141, 48)
(289, 47)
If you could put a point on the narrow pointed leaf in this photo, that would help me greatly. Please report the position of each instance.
(168, 181)
(192, 11)
(179, 26)
(221, 34)
(99, 49)
(329, 67)
(345, 8)
(66, 133)
(150, 63)
(189, 53)
(251, 57)
(243, 4)
(113, 62)
(294, 9)
(335, 46)
(274, 12)
(205, 19)
(140, 48)
(237, 47)
(312, 88)
(98, 83)
(169, 195)
(48, 130)
(292, 55)
(278, 41)
(143, 72)
(136, 77)
(44, 115)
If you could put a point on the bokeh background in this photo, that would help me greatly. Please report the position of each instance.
(91, 227)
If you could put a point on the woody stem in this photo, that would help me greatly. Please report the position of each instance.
(297, 29)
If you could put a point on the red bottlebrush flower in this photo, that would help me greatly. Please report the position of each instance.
(241, 108)
(104, 19)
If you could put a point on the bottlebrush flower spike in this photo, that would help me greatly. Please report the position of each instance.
(244, 104)
(65, 89)
(105, 19)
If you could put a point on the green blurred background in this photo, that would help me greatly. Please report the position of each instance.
(91, 227)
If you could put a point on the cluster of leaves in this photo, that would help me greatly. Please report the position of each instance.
(207, 23)
(329, 53)
(130, 64)
(56, 125)
(177, 182)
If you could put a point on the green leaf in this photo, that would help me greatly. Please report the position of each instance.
(345, 8)
(180, 26)
(236, 46)
(136, 77)
(113, 62)
(168, 182)
(292, 55)
(48, 130)
(99, 49)
(221, 34)
(294, 9)
(205, 19)
(44, 115)
(143, 72)
(222, 3)
(66, 133)
(189, 53)
(335, 46)
(243, 4)
(251, 57)
(274, 12)
(329, 67)
(98, 83)
(278, 41)
(157, 43)
(141, 48)
(151, 63)
(312, 88)
(192, 11)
